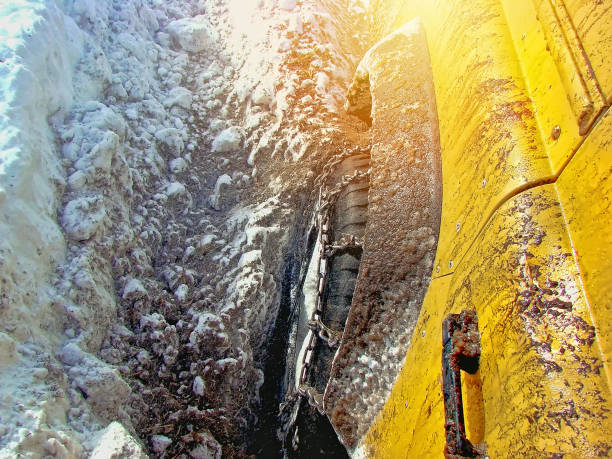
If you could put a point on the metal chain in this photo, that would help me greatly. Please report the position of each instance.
(330, 197)
(322, 266)
(331, 337)
(315, 399)
(327, 249)
(346, 242)
(328, 169)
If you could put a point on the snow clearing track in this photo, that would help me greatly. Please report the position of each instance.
(156, 159)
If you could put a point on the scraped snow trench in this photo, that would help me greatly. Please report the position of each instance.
(157, 168)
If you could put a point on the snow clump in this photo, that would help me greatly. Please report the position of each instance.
(192, 34)
(228, 140)
(83, 216)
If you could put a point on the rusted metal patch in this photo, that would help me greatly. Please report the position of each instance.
(460, 351)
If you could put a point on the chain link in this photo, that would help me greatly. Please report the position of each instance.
(318, 330)
(315, 399)
(331, 337)
(346, 242)
(328, 169)
(327, 249)
(329, 198)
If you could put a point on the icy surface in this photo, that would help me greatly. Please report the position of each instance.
(228, 140)
(192, 34)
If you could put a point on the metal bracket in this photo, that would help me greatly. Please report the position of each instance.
(460, 351)
(331, 337)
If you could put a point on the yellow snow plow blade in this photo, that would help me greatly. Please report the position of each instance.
(523, 89)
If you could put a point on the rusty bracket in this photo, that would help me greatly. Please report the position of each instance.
(460, 351)
(331, 337)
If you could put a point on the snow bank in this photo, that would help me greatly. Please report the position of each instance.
(39, 49)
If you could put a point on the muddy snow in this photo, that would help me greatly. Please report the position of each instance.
(157, 161)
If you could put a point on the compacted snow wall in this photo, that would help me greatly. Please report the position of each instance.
(155, 157)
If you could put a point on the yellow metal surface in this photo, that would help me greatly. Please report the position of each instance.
(557, 121)
(592, 20)
(512, 109)
(521, 87)
(585, 190)
(544, 389)
(572, 64)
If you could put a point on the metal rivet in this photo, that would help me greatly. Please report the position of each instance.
(438, 268)
(458, 226)
(484, 182)
(556, 132)
(423, 333)
(450, 264)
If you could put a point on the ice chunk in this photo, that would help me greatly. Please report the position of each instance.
(249, 257)
(134, 290)
(77, 181)
(101, 155)
(198, 386)
(105, 390)
(83, 216)
(170, 140)
(178, 165)
(181, 292)
(223, 182)
(207, 243)
(159, 443)
(322, 82)
(175, 189)
(288, 5)
(71, 354)
(179, 96)
(262, 95)
(209, 447)
(192, 34)
(229, 139)
(114, 442)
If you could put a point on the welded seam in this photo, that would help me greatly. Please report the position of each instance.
(525, 187)
(586, 295)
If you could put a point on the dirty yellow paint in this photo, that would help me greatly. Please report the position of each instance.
(543, 385)
(508, 102)
(557, 121)
(572, 65)
(585, 191)
(592, 21)
(522, 90)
